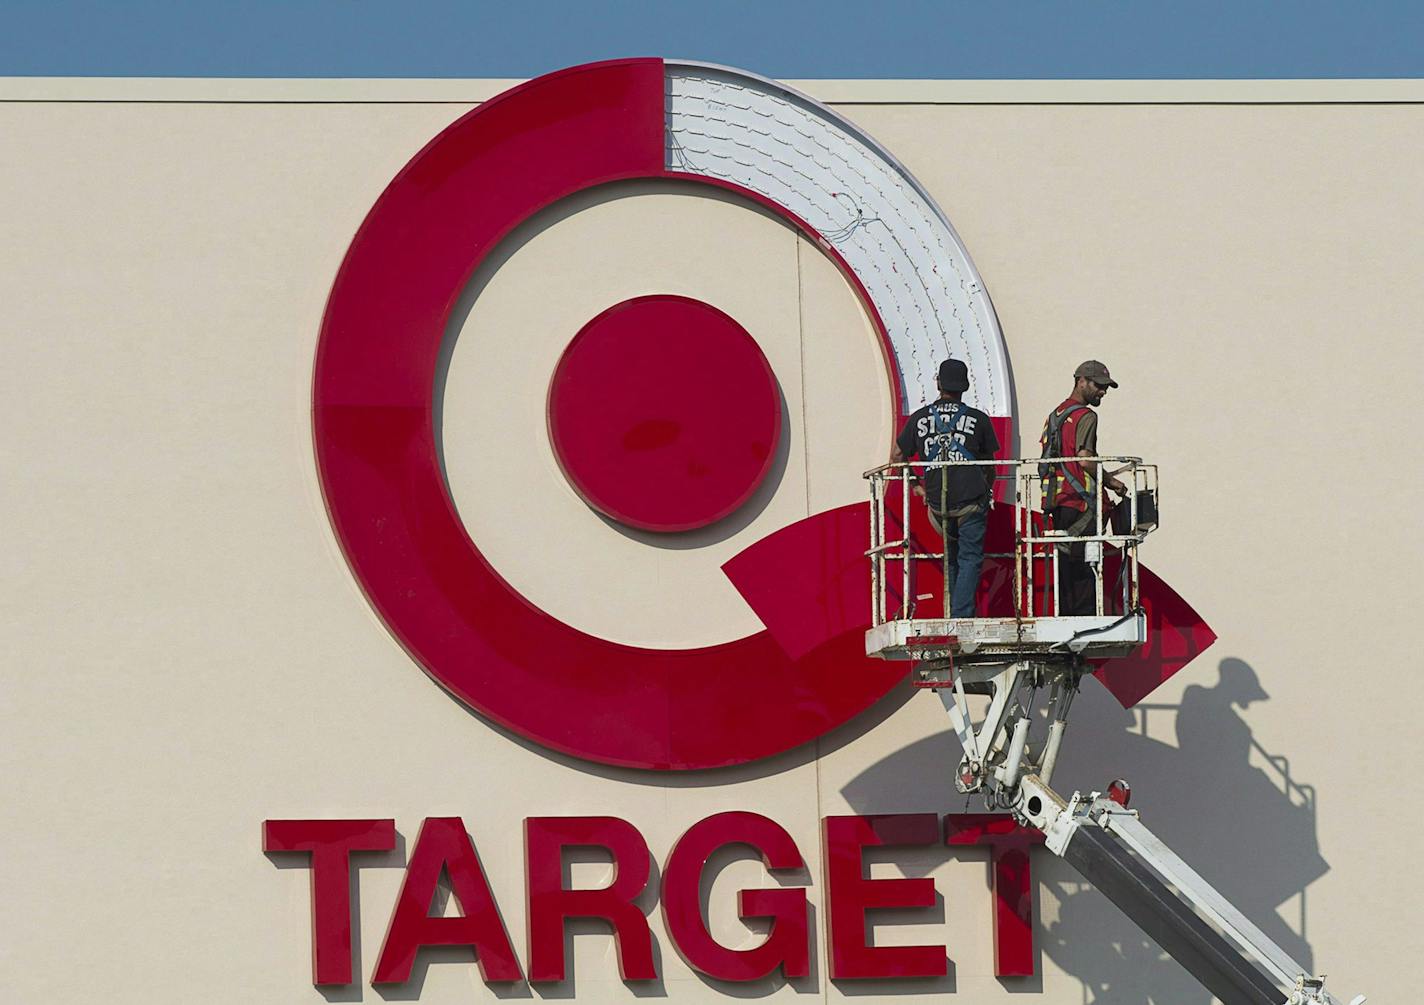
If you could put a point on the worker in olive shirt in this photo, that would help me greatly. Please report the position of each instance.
(1070, 490)
(958, 495)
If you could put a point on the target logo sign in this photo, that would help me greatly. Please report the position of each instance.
(657, 455)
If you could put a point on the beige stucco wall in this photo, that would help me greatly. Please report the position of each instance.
(186, 655)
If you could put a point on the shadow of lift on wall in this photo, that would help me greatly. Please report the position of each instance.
(1230, 808)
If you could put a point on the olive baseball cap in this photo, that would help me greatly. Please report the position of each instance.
(1096, 372)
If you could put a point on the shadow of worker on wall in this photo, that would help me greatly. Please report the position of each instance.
(1231, 810)
(1259, 845)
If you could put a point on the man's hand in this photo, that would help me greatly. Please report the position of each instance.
(919, 490)
(1109, 480)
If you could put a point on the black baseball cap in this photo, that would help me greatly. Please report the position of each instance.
(953, 375)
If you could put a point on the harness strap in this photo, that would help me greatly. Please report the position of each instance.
(1053, 440)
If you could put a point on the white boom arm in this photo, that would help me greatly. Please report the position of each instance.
(1167, 899)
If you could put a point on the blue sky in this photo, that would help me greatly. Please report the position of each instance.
(789, 39)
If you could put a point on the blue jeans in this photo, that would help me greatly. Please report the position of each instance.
(964, 545)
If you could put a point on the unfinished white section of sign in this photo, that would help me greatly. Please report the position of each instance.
(790, 149)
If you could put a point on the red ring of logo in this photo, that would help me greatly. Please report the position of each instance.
(391, 509)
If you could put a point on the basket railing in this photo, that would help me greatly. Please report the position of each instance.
(1038, 548)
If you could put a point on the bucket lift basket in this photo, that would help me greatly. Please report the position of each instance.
(904, 626)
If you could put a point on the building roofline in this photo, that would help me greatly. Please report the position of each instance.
(246, 90)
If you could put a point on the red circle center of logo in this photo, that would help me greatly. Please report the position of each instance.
(664, 413)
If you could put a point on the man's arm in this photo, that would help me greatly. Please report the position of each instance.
(1111, 481)
(990, 451)
(1086, 433)
(897, 456)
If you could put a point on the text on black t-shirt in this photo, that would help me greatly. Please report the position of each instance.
(946, 431)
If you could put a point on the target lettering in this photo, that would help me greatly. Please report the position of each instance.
(444, 848)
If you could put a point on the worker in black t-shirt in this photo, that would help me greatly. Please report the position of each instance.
(957, 496)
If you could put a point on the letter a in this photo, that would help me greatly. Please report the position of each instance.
(444, 845)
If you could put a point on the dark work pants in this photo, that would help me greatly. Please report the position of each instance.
(1077, 593)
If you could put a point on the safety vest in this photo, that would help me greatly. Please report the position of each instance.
(1064, 484)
